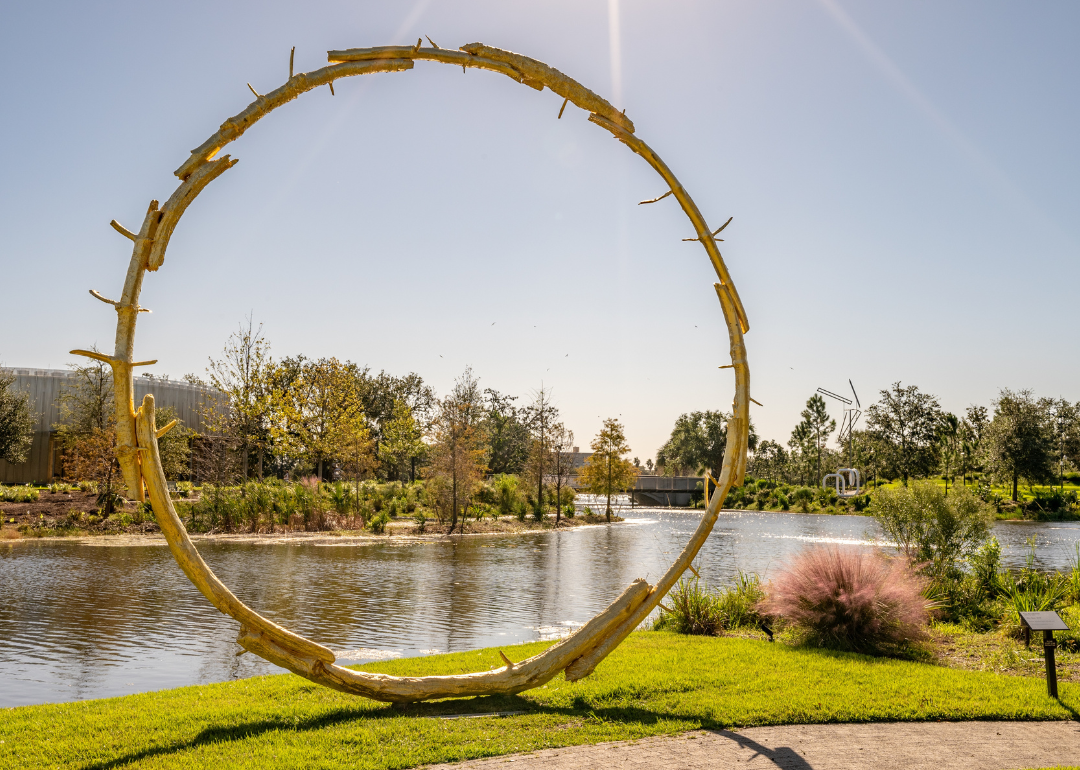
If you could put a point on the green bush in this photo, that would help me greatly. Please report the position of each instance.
(929, 527)
(783, 501)
(985, 563)
(803, 496)
(379, 522)
(827, 497)
(421, 522)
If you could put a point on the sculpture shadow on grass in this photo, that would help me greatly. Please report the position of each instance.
(478, 707)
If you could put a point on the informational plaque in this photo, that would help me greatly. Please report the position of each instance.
(1043, 621)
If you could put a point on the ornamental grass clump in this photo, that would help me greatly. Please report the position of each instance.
(695, 609)
(850, 600)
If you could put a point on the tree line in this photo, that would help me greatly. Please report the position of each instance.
(1020, 438)
(330, 420)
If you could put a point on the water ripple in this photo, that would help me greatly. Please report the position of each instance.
(86, 621)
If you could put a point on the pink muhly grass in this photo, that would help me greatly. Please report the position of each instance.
(850, 599)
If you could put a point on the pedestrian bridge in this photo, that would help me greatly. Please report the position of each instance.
(661, 491)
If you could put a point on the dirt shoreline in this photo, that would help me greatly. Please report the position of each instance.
(399, 532)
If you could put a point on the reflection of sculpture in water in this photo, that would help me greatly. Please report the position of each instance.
(137, 432)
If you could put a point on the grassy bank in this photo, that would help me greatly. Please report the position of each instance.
(1035, 503)
(654, 683)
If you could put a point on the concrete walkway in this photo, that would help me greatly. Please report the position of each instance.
(883, 746)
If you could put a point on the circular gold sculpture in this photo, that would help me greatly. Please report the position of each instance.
(137, 433)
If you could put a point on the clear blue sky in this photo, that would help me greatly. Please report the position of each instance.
(903, 178)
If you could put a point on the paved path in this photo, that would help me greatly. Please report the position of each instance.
(910, 746)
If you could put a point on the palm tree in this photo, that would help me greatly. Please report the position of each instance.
(948, 435)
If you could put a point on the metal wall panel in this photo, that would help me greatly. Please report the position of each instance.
(44, 386)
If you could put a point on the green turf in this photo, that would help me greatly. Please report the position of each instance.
(654, 683)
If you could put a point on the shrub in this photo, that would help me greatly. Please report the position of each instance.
(827, 497)
(340, 497)
(108, 500)
(184, 488)
(803, 496)
(851, 600)
(538, 512)
(785, 503)
(507, 496)
(569, 511)
(143, 511)
(930, 527)
(421, 522)
(739, 604)
(88, 486)
(692, 610)
(696, 610)
(984, 563)
(379, 522)
(1031, 592)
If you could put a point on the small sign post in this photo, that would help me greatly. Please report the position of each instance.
(1048, 623)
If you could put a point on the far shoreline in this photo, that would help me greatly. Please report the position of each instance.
(397, 531)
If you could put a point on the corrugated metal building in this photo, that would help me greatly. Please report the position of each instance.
(44, 386)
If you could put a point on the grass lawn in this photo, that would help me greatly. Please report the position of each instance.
(654, 683)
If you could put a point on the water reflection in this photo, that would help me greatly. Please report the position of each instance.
(89, 621)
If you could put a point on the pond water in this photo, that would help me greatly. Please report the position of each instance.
(82, 621)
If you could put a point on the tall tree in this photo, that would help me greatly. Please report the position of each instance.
(506, 432)
(949, 440)
(379, 394)
(606, 471)
(175, 446)
(803, 452)
(541, 416)
(457, 452)
(1065, 431)
(1019, 441)
(402, 440)
(16, 421)
(818, 426)
(322, 405)
(86, 429)
(906, 421)
(697, 443)
(91, 456)
(972, 430)
(562, 463)
(85, 401)
(770, 461)
(355, 450)
(244, 375)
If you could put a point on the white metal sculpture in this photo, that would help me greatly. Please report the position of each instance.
(843, 480)
(137, 431)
